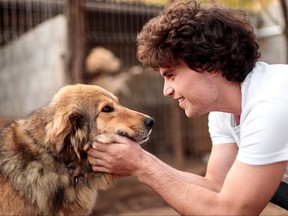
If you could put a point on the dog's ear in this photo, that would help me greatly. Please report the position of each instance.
(70, 128)
(57, 129)
(80, 133)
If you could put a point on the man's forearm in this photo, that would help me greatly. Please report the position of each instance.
(192, 194)
(179, 189)
(186, 176)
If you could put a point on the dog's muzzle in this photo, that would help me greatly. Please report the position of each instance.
(142, 135)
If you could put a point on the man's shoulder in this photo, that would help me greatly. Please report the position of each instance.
(263, 80)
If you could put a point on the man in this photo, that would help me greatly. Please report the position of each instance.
(207, 57)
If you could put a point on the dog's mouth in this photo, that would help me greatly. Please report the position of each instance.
(139, 138)
(142, 141)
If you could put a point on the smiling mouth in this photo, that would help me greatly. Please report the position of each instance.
(180, 100)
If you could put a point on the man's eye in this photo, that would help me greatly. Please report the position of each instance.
(107, 109)
(169, 75)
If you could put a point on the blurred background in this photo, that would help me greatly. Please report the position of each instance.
(45, 44)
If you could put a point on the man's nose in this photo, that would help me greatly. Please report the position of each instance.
(167, 90)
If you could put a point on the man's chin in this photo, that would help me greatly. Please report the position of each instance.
(191, 114)
(188, 114)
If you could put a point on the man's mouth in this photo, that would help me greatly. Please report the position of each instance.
(181, 99)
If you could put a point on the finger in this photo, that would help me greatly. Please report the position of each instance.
(95, 162)
(118, 139)
(106, 138)
(92, 160)
(99, 146)
(100, 169)
(103, 138)
(95, 153)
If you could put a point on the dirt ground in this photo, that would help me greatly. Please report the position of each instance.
(132, 198)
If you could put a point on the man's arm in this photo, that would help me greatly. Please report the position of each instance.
(220, 161)
(239, 190)
(116, 161)
(246, 189)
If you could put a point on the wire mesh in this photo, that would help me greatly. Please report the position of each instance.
(114, 25)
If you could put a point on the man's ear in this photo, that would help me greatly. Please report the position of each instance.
(214, 73)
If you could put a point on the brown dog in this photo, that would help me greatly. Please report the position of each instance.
(44, 169)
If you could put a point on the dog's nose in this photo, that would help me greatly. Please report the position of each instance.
(149, 122)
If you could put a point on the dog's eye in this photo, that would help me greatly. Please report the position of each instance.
(107, 109)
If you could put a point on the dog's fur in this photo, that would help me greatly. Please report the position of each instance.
(4, 121)
(101, 60)
(44, 168)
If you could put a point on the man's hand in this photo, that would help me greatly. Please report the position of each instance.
(121, 157)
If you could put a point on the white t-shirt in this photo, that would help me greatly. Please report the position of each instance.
(262, 135)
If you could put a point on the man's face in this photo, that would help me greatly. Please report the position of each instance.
(196, 92)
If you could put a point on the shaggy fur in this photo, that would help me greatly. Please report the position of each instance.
(44, 168)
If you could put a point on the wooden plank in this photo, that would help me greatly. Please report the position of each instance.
(74, 12)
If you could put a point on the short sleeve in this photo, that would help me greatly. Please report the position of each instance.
(220, 133)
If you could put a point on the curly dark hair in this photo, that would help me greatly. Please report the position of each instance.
(205, 38)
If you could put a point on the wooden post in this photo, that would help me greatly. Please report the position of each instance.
(76, 40)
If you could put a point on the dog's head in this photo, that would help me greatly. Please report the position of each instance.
(81, 112)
